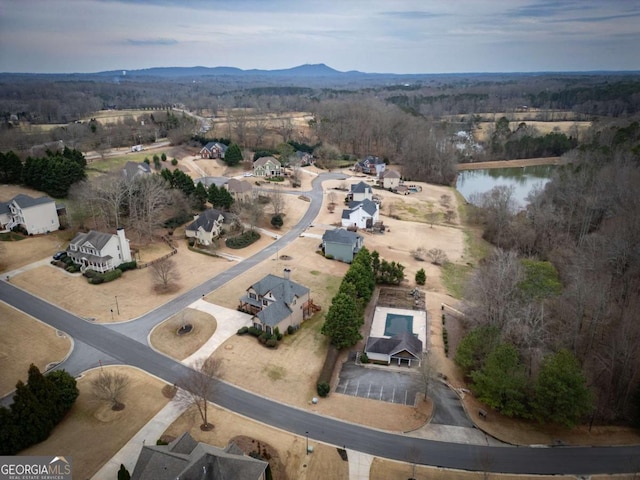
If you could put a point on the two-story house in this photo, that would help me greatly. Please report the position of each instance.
(99, 251)
(341, 244)
(390, 180)
(213, 150)
(267, 167)
(205, 227)
(240, 190)
(276, 302)
(370, 165)
(360, 191)
(35, 215)
(364, 214)
(132, 170)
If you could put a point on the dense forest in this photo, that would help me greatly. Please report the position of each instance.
(552, 322)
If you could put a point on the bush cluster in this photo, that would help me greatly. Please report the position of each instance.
(96, 278)
(323, 389)
(445, 339)
(243, 240)
(38, 406)
(128, 266)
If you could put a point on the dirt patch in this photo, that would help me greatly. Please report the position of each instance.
(92, 441)
(166, 339)
(253, 447)
(45, 346)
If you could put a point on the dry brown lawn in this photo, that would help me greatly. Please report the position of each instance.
(92, 433)
(166, 339)
(290, 460)
(45, 346)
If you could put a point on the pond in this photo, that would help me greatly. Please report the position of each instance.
(522, 179)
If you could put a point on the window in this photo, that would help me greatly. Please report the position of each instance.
(252, 296)
(265, 303)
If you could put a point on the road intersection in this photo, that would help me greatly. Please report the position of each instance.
(126, 343)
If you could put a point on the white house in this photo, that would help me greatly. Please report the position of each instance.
(205, 226)
(390, 179)
(35, 215)
(99, 251)
(364, 214)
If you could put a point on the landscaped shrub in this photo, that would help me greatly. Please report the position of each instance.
(271, 343)
(90, 273)
(243, 240)
(323, 389)
(96, 278)
(445, 339)
(277, 334)
(364, 358)
(174, 162)
(290, 330)
(256, 332)
(161, 442)
(264, 336)
(112, 275)
(73, 269)
(328, 256)
(128, 266)
(243, 331)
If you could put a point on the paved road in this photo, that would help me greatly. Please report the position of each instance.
(131, 349)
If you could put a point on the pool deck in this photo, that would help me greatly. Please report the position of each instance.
(419, 322)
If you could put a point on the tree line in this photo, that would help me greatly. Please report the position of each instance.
(584, 224)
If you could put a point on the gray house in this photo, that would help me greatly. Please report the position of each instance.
(277, 302)
(341, 244)
(360, 191)
(205, 227)
(403, 347)
(186, 459)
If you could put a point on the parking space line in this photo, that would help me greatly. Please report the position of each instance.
(381, 389)
(393, 398)
(346, 386)
(369, 392)
(357, 387)
(405, 396)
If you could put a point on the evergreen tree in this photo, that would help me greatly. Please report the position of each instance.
(502, 382)
(561, 393)
(28, 413)
(47, 395)
(421, 277)
(10, 168)
(233, 155)
(200, 196)
(342, 324)
(9, 433)
(226, 200)
(475, 347)
(214, 195)
(276, 221)
(67, 389)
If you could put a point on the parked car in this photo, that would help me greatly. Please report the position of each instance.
(59, 255)
(247, 174)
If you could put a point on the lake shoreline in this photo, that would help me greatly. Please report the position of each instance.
(524, 162)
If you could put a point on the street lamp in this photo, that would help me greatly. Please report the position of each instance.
(112, 314)
(307, 434)
(117, 306)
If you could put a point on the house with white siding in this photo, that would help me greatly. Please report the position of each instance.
(364, 214)
(99, 251)
(35, 215)
(205, 227)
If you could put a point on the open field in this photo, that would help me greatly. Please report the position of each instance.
(525, 162)
(92, 433)
(114, 116)
(26, 340)
(567, 127)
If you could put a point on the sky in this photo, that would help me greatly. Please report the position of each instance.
(382, 36)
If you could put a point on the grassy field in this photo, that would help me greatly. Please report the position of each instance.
(165, 336)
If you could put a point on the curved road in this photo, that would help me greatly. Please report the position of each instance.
(127, 344)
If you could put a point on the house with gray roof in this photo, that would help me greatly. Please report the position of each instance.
(341, 244)
(135, 169)
(276, 302)
(402, 347)
(205, 227)
(390, 179)
(267, 167)
(240, 190)
(35, 215)
(186, 459)
(213, 150)
(360, 191)
(99, 251)
(370, 165)
(364, 214)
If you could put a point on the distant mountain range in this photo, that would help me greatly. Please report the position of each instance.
(308, 70)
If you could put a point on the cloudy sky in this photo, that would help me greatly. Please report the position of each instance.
(395, 36)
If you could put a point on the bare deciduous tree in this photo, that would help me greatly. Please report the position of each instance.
(428, 371)
(445, 200)
(419, 254)
(109, 386)
(198, 385)
(277, 200)
(165, 273)
(437, 256)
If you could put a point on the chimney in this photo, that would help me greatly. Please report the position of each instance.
(125, 251)
(287, 273)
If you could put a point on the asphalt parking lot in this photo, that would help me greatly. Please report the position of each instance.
(387, 386)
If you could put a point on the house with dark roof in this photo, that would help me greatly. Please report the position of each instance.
(213, 150)
(240, 190)
(341, 244)
(186, 459)
(360, 191)
(370, 165)
(276, 302)
(390, 180)
(267, 167)
(99, 251)
(35, 215)
(205, 227)
(402, 347)
(364, 214)
(136, 169)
